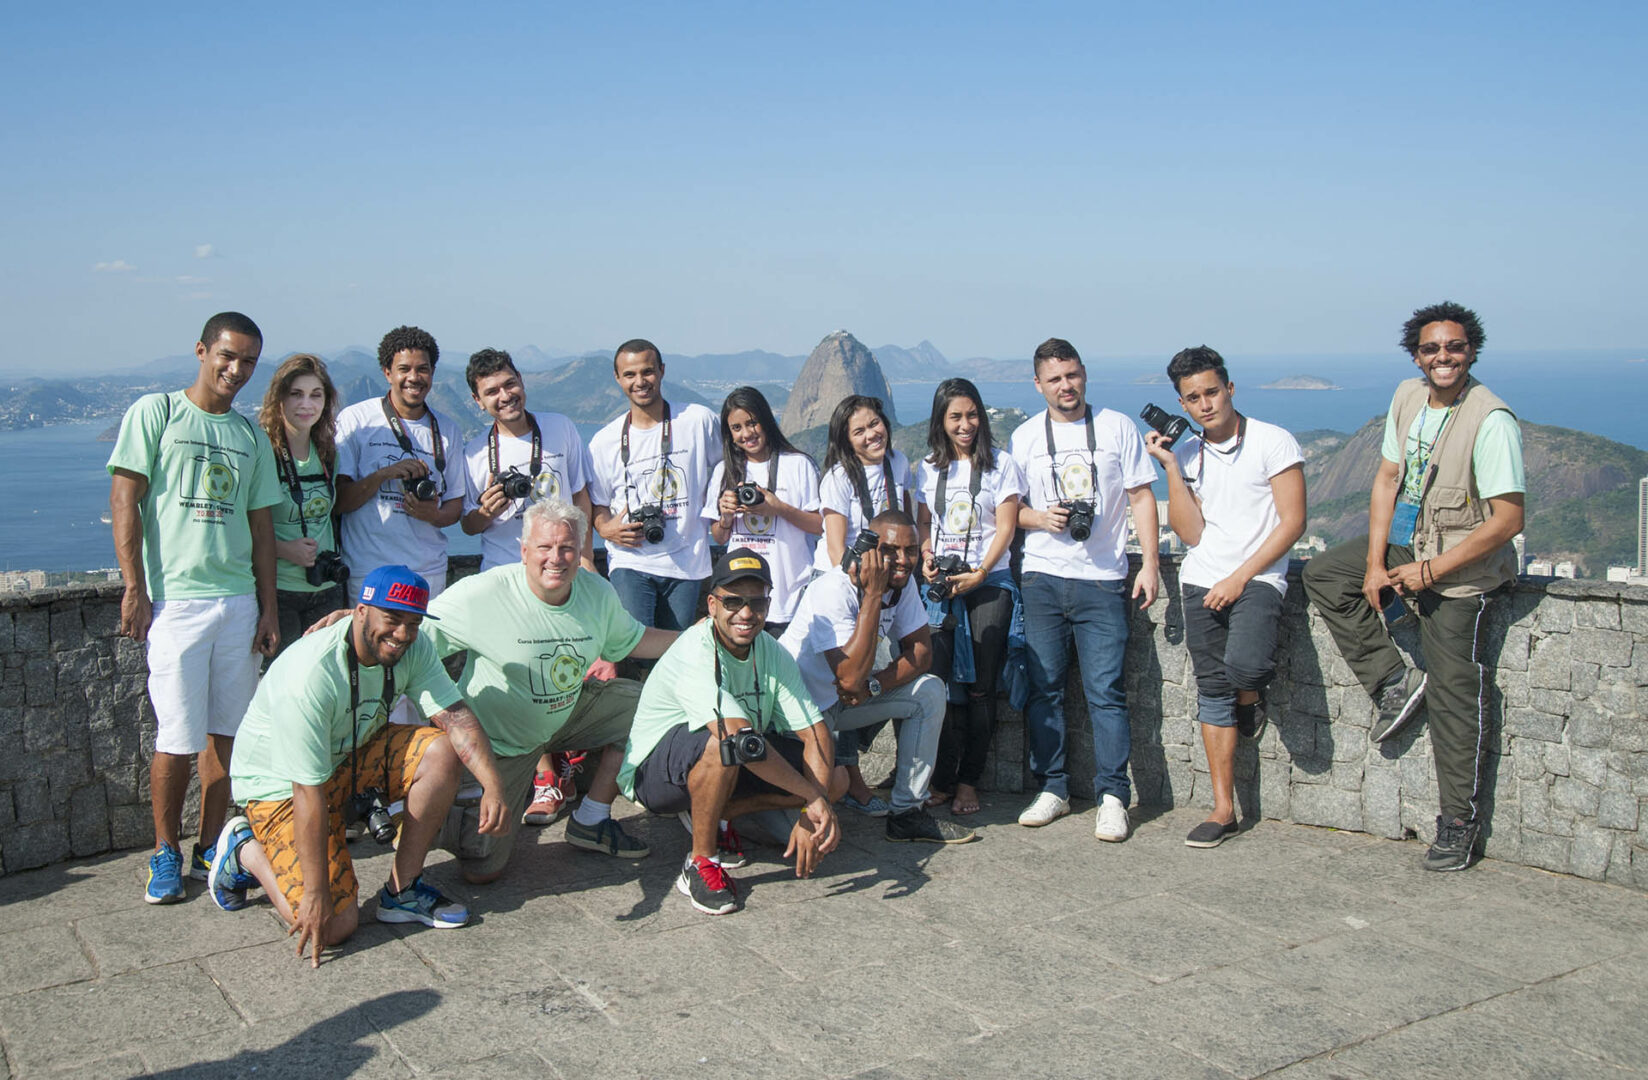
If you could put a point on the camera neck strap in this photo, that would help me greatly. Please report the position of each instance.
(861, 484)
(664, 444)
(398, 426)
(721, 720)
(354, 712)
(974, 482)
(729, 481)
(289, 473)
(493, 438)
(1232, 454)
(1053, 453)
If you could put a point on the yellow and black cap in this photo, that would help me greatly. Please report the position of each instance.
(740, 563)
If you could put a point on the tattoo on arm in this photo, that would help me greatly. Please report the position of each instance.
(464, 732)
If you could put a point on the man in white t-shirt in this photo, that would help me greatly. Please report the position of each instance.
(400, 470)
(1236, 497)
(650, 470)
(833, 639)
(1084, 469)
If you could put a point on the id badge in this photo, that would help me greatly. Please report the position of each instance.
(1403, 523)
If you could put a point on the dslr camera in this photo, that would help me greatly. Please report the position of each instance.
(367, 806)
(517, 484)
(651, 519)
(421, 487)
(1080, 522)
(1168, 426)
(749, 494)
(328, 569)
(864, 541)
(945, 568)
(743, 747)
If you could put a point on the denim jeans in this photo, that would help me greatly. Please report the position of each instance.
(1231, 650)
(1094, 614)
(662, 602)
(917, 711)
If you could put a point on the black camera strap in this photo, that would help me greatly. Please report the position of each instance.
(1233, 453)
(492, 439)
(720, 720)
(861, 484)
(289, 474)
(1052, 452)
(974, 482)
(354, 710)
(398, 427)
(664, 445)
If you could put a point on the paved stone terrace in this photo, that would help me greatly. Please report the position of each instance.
(1289, 952)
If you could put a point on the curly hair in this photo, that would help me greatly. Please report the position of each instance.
(938, 440)
(1446, 311)
(404, 338)
(487, 362)
(272, 415)
(755, 403)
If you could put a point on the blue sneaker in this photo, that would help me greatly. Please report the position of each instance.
(421, 903)
(227, 880)
(200, 862)
(165, 876)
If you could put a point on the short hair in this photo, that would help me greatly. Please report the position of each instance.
(228, 322)
(1446, 311)
(487, 362)
(555, 512)
(893, 516)
(1194, 361)
(1054, 349)
(407, 339)
(637, 345)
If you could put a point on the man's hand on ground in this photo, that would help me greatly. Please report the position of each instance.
(309, 924)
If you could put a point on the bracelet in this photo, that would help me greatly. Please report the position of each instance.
(1425, 568)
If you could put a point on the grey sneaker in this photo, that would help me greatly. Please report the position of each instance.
(1398, 701)
(1455, 845)
(918, 826)
(607, 838)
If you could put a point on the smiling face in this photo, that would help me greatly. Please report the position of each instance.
(501, 396)
(304, 403)
(733, 609)
(640, 376)
(1449, 360)
(900, 550)
(747, 433)
(549, 550)
(1064, 384)
(226, 365)
(410, 374)
(961, 424)
(1208, 400)
(382, 635)
(867, 435)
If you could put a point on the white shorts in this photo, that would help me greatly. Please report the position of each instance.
(203, 670)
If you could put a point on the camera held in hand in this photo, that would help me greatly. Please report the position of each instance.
(651, 519)
(945, 568)
(367, 806)
(1080, 522)
(1168, 426)
(749, 494)
(743, 747)
(328, 569)
(516, 484)
(866, 540)
(420, 487)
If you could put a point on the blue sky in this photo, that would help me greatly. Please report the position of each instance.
(1275, 179)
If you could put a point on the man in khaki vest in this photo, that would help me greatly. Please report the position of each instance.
(1446, 502)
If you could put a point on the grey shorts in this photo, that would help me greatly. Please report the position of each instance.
(661, 780)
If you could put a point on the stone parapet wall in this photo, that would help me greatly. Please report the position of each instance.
(1569, 771)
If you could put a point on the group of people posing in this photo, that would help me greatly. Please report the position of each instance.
(882, 590)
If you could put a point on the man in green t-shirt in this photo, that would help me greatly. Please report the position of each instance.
(191, 488)
(317, 750)
(532, 629)
(726, 727)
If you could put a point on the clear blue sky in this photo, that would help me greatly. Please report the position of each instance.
(1267, 178)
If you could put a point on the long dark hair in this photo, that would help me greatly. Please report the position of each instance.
(753, 402)
(840, 451)
(943, 453)
(272, 416)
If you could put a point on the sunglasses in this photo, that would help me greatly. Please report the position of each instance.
(735, 604)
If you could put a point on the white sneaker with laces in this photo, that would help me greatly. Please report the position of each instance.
(1046, 809)
(1112, 823)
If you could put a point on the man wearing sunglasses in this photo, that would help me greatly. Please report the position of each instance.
(1446, 502)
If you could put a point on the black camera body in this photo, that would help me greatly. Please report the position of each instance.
(420, 487)
(866, 540)
(651, 519)
(743, 747)
(517, 484)
(328, 569)
(749, 494)
(1168, 426)
(1080, 522)
(945, 568)
(367, 806)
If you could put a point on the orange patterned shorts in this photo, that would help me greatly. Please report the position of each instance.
(397, 748)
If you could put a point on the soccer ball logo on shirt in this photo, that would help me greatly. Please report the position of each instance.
(1076, 477)
(960, 518)
(215, 475)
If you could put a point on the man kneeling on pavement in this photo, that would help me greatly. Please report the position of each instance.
(316, 747)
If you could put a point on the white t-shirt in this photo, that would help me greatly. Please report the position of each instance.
(1120, 463)
(826, 619)
(1232, 479)
(381, 532)
(562, 474)
(787, 549)
(964, 528)
(695, 449)
(837, 493)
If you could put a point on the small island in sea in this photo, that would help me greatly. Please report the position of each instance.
(1302, 382)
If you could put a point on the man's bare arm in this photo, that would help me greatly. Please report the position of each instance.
(474, 750)
(653, 643)
(126, 491)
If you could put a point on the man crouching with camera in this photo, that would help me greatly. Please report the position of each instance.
(316, 751)
(726, 727)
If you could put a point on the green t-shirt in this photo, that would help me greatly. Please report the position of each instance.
(298, 729)
(316, 512)
(527, 659)
(1496, 459)
(682, 690)
(205, 472)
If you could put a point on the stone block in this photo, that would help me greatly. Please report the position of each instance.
(131, 827)
(1549, 660)
(1557, 759)
(1610, 648)
(35, 845)
(31, 798)
(1534, 801)
(68, 629)
(1347, 775)
(1513, 650)
(1317, 804)
(31, 631)
(6, 636)
(1551, 702)
(112, 746)
(8, 812)
(1616, 810)
(39, 681)
(1588, 855)
(1527, 758)
(1532, 725)
(1620, 698)
(65, 772)
(121, 786)
(1633, 616)
(1575, 796)
(102, 620)
(130, 658)
(1583, 679)
(1545, 852)
(50, 731)
(1275, 793)
(1588, 763)
(1629, 735)
(1587, 726)
(1619, 863)
(1513, 687)
(1598, 614)
(1553, 616)
(1382, 802)
(88, 820)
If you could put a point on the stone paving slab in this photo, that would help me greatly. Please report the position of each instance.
(1287, 952)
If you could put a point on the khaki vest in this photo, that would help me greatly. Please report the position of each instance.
(1449, 505)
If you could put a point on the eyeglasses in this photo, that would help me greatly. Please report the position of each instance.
(1455, 348)
(735, 604)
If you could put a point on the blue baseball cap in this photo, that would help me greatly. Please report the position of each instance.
(397, 588)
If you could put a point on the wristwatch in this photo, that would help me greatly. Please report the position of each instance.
(874, 684)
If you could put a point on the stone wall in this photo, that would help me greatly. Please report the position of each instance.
(1569, 771)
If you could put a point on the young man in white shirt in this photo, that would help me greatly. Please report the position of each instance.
(1236, 497)
(650, 469)
(400, 470)
(1084, 469)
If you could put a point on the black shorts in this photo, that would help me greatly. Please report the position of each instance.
(661, 780)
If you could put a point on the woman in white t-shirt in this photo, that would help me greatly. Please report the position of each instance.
(782, 521)
(967, 486)
(860, 468)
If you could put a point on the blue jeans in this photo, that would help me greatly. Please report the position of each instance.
(661, 602)
(1095, 615)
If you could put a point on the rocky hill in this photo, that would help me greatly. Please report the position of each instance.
(838, 367)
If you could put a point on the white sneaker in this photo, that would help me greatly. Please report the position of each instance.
(1046, 809)
(1112, 823)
